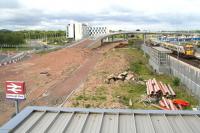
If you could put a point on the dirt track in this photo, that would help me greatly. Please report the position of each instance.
(67, 70)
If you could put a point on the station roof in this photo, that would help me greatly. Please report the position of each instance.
(162, 50)
(79, 120)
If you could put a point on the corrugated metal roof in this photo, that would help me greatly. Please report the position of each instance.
(77, 120)
(163, 50)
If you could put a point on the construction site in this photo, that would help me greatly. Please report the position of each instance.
(112, 75)
(103, 66)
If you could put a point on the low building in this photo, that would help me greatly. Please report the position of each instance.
(159, 59)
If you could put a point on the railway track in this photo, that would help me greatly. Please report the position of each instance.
(192, 61)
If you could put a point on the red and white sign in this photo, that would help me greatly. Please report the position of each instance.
(15, 89)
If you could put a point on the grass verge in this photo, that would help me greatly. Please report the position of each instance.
(87, 100)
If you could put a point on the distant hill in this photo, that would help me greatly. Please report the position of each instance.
(5, 30)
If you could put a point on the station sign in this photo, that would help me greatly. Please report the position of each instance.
(15, 90)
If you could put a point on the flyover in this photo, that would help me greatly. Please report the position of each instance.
(109, 37)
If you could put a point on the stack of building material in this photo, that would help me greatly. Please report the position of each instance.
(159, 89)
(167, 104)
(164, 93)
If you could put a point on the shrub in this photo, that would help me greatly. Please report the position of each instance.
(176, 81)
(87, 105)
(135, 67)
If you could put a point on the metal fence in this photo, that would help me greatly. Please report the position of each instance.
(13, 46)
(13, 59)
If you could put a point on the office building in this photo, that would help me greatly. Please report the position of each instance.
(77, 31)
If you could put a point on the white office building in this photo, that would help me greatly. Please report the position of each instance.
(96, 31)
(70, 31)
(77, 31)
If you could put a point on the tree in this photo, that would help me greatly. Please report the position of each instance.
(11, 38)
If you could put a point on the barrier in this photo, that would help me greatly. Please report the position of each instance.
(188, 74)
(14, 59)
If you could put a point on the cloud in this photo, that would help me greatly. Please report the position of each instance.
(46, 14)
(9, 4)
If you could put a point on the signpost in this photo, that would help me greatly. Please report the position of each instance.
(15, 90)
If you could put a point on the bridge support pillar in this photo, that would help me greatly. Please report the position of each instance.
(101, 41)
(107, 39)
(124, 37)
(144, 37)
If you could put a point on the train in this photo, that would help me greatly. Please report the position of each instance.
(178, 39)
(186, 50)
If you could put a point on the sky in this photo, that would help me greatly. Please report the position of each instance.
(115, 14)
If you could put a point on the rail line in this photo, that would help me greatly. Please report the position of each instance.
(192, 61)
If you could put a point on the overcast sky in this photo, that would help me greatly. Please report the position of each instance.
(116, 14)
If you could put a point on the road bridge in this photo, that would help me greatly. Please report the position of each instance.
(110, 37)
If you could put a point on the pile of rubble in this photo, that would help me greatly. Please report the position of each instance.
(128, 76)
(121, 45)
(164, 95)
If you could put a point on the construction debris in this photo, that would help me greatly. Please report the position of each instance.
(168, 104)
(45, 73)
(181, 102)
(159, 107)
(130, 102)
(141, 82)
(128, 76)
(149, 100)
(164, 93)
(121, 45)
(159, 89)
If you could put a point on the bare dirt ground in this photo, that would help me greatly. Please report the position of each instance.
(95, 92)
(60, 65)
(66, 69)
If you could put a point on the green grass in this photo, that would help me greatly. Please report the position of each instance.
(96, 98)
(141, 69)
(181, 93)
(128, 91)
(14, 49)
(139, 65)
(98, 95)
